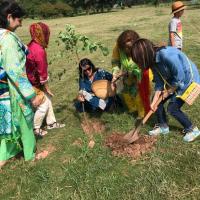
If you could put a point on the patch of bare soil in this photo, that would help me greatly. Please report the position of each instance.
(91, 126)
(43, 153)
(135, 150)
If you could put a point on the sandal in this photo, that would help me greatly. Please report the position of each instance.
(55, 125)
(39, 132)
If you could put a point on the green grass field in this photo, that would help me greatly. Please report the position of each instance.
(171, 171)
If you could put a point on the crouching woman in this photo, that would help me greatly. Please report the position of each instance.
(86, 99)
(171, 69)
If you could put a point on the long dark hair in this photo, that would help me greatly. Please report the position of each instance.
(127, 35)
(9, 7)
(82, 64)
(143, 53)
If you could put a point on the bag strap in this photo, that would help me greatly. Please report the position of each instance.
(192, 77)
(165, 82)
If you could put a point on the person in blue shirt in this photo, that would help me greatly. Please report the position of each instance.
(173, 69)
(86, 100)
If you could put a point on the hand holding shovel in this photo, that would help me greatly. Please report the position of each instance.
(132, 136)
(118, 76)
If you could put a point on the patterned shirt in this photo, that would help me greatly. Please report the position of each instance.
(15, 89)
(175, 26)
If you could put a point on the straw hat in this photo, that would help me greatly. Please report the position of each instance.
(177, 6)
(102, 89)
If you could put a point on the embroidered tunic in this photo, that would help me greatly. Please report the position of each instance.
(136, 86)
(16, 113)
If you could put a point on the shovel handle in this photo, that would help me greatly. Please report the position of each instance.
(151, 111)
(132, 136)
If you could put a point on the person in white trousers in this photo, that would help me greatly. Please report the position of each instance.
(37, 72)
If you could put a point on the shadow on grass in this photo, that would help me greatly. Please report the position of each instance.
(97, 113)
(60, 108)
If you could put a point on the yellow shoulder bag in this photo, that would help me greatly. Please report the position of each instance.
(192, 91)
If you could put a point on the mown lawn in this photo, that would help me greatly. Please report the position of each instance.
(77, 172)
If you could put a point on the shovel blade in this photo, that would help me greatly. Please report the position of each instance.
(131, 137)
(128, 135)
(131, 134)
(134, 137)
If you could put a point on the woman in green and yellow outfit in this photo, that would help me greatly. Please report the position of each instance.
(136, 84)
(16, 92)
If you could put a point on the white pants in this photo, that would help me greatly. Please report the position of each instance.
(44, 110)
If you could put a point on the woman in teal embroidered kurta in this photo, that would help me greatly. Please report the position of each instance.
(16, 92)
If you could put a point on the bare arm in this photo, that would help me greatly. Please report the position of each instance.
(165, 93)
(46, 86)
(155, 99)
(172, 39)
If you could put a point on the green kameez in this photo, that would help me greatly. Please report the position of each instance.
(16, 128)
(26, 142)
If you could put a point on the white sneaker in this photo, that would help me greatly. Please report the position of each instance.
(157, 130)
(192, 135)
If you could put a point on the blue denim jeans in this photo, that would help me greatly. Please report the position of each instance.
(174, 109)
(92, 105)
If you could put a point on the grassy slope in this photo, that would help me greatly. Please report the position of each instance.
(71, 172)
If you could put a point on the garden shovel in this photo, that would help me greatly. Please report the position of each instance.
(133, 135)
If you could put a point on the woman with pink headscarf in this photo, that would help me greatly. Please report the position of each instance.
(37, 72)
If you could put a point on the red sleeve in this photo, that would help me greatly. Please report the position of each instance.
(42, 65)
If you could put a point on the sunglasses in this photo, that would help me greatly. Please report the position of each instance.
(88, 69)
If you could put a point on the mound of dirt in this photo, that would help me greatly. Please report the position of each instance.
(92, 126)
(44, 151)
(119, 147)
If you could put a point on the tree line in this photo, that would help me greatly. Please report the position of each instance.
(56, 8)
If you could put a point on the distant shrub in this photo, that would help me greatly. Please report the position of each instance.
(195, 1)
(46, 9)
(64, 9)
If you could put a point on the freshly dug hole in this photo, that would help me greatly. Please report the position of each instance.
(135, 150)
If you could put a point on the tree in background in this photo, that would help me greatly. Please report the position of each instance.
(46, 8)
(56, 8)
(156, 3)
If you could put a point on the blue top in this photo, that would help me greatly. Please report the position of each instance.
(100, 74)
(175, 67)
(3, 82)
